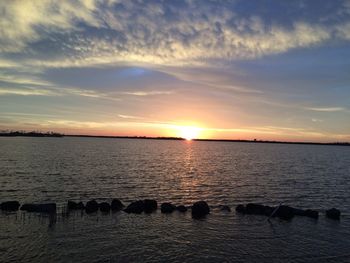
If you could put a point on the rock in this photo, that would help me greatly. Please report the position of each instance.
(150, 205)
(49, 208)
(91, 206)
(104, 207)
(116, 205)
(333, 214)
(28, 207)
(299, 212)
(240, 209)
(136, 207)
(181, 208)
(167, 208)
(225, 208)
(285, 212)
(311, 213)
(255, 209)
(200, 209)
(71, 205)
(10, 206)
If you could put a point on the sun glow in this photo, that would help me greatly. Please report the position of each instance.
(189, 132)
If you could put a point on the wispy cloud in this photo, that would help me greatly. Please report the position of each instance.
(148, 93)
(27, 92)
(129, 117)
(326, 109)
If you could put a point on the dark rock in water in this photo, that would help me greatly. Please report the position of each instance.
(81, 205)
(91, 206)
(333, 214)
(150, 205)
(181, 208)
(285, 212)
(167, 208)
(116, 205)
(104, 207)
(311, 213)
(49, 208)
(241, 209)
(71, 205)
(255, 209)
(299, 212)
(200, 209)
(225, 208)
(268, 210)
(10, 206)
(136, 207)
(28, 207)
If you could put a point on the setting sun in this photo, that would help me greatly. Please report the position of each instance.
(189, 132)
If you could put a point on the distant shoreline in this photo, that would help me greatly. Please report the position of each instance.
(58, 135)
(210, 140)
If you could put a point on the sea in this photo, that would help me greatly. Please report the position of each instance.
(41, 170)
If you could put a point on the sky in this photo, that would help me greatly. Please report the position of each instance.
(257, 69)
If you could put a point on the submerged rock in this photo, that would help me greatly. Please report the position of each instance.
(116, 205)
(299, 212)
(333, 214)
(256, 209)
(49, 208)
(240, 209)
(10, 206)
(285, 212)
(167, 208)
(181, 208)
(225, 208)
(136, 207)
(311, 213)
(71, 205)
(150, 205)
(91, 206)
(200, 209)
(104, 207)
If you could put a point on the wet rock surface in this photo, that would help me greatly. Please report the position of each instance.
(10, 206)
(200, 209)
(39, 208)
(117, 205)
(333, 213)
(150, 205)
(283, 211)
(136, 207)
(167, 208)
(91, 206)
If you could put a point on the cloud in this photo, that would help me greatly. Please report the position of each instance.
(326, 109)
(27, 92)
(144, 32)
(148, 93)
(22, 21)
(128, 116)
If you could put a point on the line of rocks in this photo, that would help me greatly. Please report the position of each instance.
(284, 211)
(198, 209)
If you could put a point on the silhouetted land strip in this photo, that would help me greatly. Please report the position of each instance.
(54, 134)
(210, 140)
(30, 134)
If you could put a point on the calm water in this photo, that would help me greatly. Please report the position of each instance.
(58, 169)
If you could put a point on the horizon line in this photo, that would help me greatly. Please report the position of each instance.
(56, 134)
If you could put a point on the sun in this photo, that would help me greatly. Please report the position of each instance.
(189, 132)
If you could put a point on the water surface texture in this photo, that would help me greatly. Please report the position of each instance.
(181, 172)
